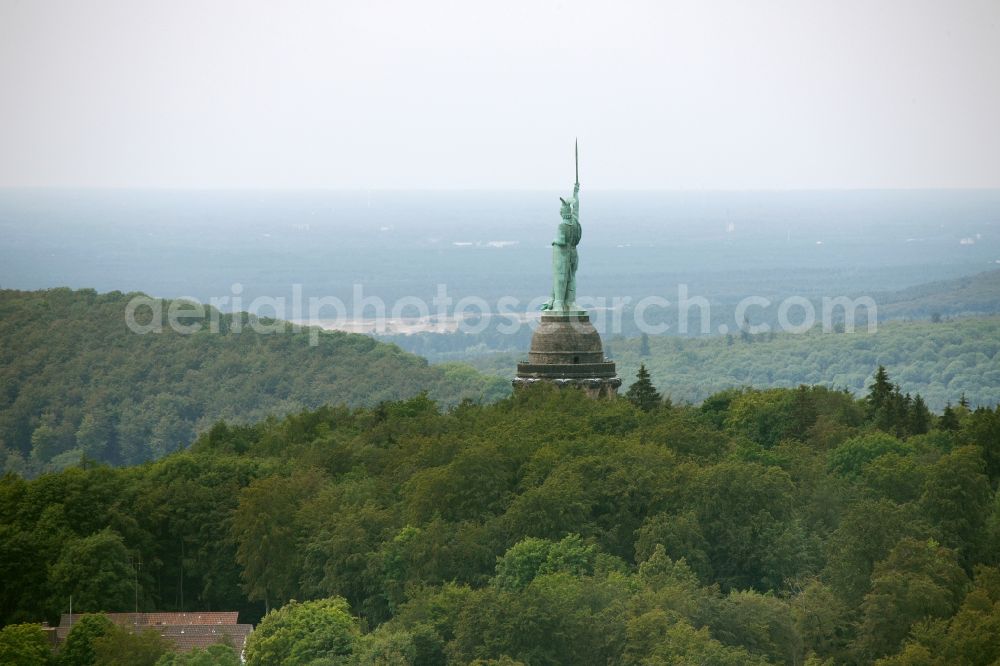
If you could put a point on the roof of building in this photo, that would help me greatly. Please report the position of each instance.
(189, 636)
(160, 619)
(184, 630)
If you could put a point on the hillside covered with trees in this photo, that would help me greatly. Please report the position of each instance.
(75, 381)
(976, 294)
(779, 526)
(940, 360)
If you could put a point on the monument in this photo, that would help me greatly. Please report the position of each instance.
(566, 349)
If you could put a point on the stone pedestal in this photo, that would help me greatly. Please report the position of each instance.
(566, 350)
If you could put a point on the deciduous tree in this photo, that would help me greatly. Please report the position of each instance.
(298, 634)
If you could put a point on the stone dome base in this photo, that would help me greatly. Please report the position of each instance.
(566, 350)
(594, 387)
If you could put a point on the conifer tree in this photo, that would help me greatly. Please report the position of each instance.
(907, 404)
(919, 418)
(880, 392)
(948, 420)
(893, 415)
(642, 393)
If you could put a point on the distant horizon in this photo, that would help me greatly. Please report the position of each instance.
(491, 243)
(768, 190)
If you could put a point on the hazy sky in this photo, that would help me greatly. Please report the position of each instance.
(463, 94)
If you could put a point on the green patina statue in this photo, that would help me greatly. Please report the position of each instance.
(564, 256)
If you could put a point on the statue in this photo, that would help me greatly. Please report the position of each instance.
(566, 349)
(564, 256)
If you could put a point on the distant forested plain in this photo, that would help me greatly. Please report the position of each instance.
(723, 245)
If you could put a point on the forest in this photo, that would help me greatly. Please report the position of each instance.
(76, 382)
(764, 526)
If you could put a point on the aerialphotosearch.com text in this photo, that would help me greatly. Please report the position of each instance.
(686, 314)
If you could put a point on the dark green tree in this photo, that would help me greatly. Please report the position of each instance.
(971, 636)
(24, 581)
(122, 647)
(97, 572)
(744, 510)
(879, 394)
(983, 428)
(761, 623)
(949, 419)
(642, 393)
(78, 649)
(822, 620)
(266, 541)
(659, 637)
(190, 500)
(894, 416)
(918, 580)
(569, 622)
(956, 498)
(24, 645)
(919, 418)
(765, 417)
(680, 536)
(867, 532)
(386, 645)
